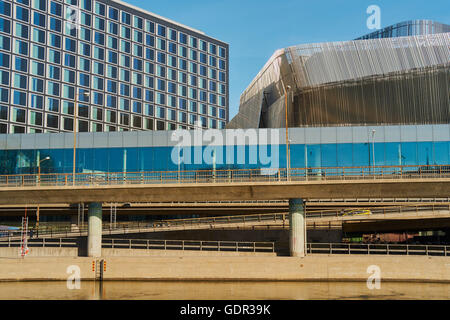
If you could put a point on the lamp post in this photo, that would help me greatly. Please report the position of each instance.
(39, 168)
(38, 207)
(373, 150)
(75, 126)
(288, 160)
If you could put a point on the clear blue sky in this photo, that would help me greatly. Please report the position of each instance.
(256, 28)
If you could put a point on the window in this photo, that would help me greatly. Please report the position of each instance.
(21, 64)
(99, 24)
(113, 28)
(37, 68)
(21, 14)
(113, 14)
(137, 22)
(39, 4)
(70, 45)
(99, 38)
(5, 26)
(112, 43)
(99, 53)
(54, 56)
(4, 77)
(21, 30)
(161, 31)
(21, 47)
(85, 34)
(149, 26)
(86, 5)
(37, 85)
(18, 115)
(39, 19)
(99, 8)
(55, 24)
(183, 38)
(4, 95)
(4, 112)
(5, 43)
(52, 121)
(20, 98)
(84, 64)
(69, 76)
(126, 18)
(84, 80)
(55, 8)
(20, 81)
(69, 60)
(35, 118)
(4, 60)
(53, 72)
(5, 8)
(53, 88)
(37, 52)
(54, 40)
(85, 19)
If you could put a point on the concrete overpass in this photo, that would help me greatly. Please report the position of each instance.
(297, 185)
(188, 192)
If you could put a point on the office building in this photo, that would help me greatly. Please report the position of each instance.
(129, 69)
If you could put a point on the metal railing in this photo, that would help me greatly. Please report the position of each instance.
(221, 221)
(384, 249)
(244, 246)
(197, 245)
(226, 176)
(41, 243)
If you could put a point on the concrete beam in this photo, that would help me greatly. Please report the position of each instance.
(321, 189)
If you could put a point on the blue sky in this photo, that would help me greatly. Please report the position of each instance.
(256, 28)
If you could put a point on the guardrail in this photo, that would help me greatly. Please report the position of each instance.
(198, 245)
(214, 222)
(226, 176)
(244, 246)
(385, 249)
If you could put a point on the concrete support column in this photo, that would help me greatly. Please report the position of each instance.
(297, 228)
(94, 229)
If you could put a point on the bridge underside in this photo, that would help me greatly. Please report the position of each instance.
(320, 189)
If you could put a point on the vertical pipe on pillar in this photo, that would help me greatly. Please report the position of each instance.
(297, 230)
(95, 229)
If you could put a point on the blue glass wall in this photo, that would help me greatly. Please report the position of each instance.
(160, 158)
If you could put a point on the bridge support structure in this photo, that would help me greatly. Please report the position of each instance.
(94, 229)
(297, 228)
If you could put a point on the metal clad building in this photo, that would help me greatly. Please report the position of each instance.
(399, 80)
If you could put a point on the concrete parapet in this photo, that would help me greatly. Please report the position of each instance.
(257, 268)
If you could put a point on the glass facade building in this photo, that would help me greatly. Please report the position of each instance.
(408, 28)
(141, 71)
(143, 151)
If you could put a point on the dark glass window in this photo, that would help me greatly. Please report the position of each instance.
(5, 26)
(4, 60)
(39, 19)
(161, 31)
(113, 14)
(126, 18)
(52, 121)
(55, 8)
(21, 64)
(5, 8)
(55, 24)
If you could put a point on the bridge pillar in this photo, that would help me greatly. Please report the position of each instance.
(297, 228)
(94, 229)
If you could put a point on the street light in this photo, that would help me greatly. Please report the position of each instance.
(38, 207)
(39, 168)
(373, 150)
(288, 160)
(75, 125)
